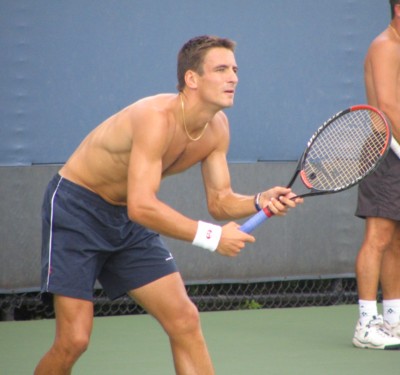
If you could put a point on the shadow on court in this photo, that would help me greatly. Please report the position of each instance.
(312, 340)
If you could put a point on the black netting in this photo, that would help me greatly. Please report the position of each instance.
(207, 297)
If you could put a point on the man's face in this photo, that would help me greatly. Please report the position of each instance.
(219, 79)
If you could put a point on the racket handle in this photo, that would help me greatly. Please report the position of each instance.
(256, 220)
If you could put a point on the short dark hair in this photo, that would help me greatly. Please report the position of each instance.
(392, 5)
(191, 56)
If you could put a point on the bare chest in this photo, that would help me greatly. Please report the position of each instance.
(183, 158)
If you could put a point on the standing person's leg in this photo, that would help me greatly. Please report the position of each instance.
(390, 283)
(370, 331)
(390, 272)
(166, 299)
(377, 239)
(74, 322)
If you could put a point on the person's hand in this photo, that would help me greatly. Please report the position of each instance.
(233, 240)
(279, 200)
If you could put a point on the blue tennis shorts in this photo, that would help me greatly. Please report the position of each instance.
(85, 238)
(379, 193)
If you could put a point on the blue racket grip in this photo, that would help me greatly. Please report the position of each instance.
(255, 221)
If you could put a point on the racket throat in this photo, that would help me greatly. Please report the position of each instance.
(305, 180)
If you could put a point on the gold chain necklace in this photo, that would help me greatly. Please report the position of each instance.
(184, 122)
(394, 30)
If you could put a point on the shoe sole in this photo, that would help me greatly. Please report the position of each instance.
(363, 345)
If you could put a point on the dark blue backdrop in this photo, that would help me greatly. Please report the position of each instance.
(66, 65)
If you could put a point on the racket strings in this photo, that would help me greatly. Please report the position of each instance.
(345, 150)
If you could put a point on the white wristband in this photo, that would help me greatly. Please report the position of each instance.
(207, 236)
(394, 145)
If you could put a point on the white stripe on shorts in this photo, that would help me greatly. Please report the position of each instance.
(51, 234)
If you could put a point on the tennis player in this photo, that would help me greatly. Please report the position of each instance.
(102, 216)
(379, 202)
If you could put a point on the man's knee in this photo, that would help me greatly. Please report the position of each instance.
(71, 348)
(186, 321)
(80, 344)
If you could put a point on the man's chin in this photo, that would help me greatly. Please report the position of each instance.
(228, 103)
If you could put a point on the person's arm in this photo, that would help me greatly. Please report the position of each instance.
(144, 178)
(151, 138)
(223, 202)
(382, 78)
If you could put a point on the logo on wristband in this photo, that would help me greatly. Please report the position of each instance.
(209, 234)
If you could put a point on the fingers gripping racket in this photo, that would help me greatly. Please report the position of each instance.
(343, 151)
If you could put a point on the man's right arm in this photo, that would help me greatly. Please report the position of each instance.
(144, 179)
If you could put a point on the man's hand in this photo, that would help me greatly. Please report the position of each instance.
(279, 200)
(233, 240)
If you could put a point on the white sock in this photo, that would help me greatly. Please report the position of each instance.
(367, 309)
(391, 311)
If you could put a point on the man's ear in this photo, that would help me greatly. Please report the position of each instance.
(397, 10)
(191, 79)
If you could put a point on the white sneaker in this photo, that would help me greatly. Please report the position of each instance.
(393, 329)
(374, 335)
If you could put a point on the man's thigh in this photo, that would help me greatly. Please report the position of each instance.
(74, 317)
(164, 298)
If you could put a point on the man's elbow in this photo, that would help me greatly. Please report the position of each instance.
(133, 215)
(217, 213)
(136, 213)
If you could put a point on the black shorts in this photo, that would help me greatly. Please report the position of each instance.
(85, 238)
(379, 193)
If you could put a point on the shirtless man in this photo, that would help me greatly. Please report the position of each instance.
(102, 216)
(379, 202)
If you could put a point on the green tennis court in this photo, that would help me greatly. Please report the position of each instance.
(311, 340)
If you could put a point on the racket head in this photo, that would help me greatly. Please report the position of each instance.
(344, 150)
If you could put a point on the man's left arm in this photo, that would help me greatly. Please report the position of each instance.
(223, 203)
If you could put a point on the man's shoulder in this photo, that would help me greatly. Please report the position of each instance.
(220, 125)
(384, 40)
(160, 99)
(383, 48)
(220, 116)
(156, 106)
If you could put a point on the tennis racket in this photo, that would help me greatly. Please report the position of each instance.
(343, 151)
